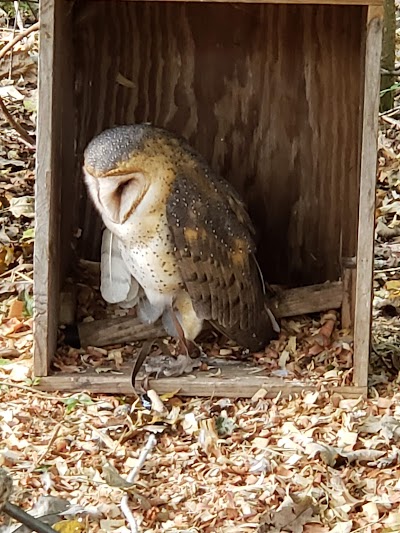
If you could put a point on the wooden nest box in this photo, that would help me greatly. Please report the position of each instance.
(280, 98)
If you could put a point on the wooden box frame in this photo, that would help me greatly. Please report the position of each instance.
(330, 141)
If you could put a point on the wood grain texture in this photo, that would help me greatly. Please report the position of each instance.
(269, 94)
(54, 136)
(298, 2)
(366, 224)
(349, 290)
(310, 299)
(116, 330)
(236, 379)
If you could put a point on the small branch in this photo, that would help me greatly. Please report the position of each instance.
(17, 127)
(131, 477)
(18, 17)
(390, 112)
(50, 443)
(18, 38)
(152, 441)
(393, 269)
(391, 121)
(37, 392)
(386, 72)
(129, 515)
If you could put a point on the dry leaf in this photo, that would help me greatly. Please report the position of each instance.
(392, 522)
(371, 511)
(16, 309)
(113, 479)
(327, 453)
(23, 206)
(156, 402)
(342, 527)
(289, 516)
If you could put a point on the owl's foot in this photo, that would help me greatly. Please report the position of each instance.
(195, 351)
(184, 346)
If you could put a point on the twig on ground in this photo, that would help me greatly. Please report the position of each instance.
(391, 121)
(18, 38)
(18, 17)
(39, 393)
(131, 477)
(14, 124)
(390, 112)
(393, 269)
(49, 444)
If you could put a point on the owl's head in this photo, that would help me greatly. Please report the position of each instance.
(121, 163)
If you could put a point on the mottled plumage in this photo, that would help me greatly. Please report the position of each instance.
(182, 232)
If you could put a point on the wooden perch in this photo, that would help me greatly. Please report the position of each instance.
(111, 331)
(310, 299)
(290, 302)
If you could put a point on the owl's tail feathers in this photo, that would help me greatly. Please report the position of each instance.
(116, 283)
(134, 295)
(275, 326)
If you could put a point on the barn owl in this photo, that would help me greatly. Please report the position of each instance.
(180, 234)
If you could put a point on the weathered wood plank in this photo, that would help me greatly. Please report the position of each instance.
(55, 142)
(298, 2)
(349, 286)
(235, 380)
(47, 197)
(366, 220)
(116, 330)
(311, 299)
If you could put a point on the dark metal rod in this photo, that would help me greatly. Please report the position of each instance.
(24, 518)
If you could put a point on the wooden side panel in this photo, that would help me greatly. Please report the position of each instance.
(54, 152)
(269, 94)
(365, 247)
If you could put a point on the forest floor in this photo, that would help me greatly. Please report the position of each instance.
(312, 463)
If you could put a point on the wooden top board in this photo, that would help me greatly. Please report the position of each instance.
(305, 2)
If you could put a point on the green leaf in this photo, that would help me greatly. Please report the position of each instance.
(225, 426)
(28, 234)
(32, 382)
(394, 87)
(28, 303)
(73, 401)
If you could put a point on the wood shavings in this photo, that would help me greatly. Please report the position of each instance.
(326, 454)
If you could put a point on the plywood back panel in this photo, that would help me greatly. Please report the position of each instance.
(271, 95)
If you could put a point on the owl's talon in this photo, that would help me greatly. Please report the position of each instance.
(195, 351)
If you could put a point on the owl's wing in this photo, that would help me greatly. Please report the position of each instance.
(213, 244)
(116, 282)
